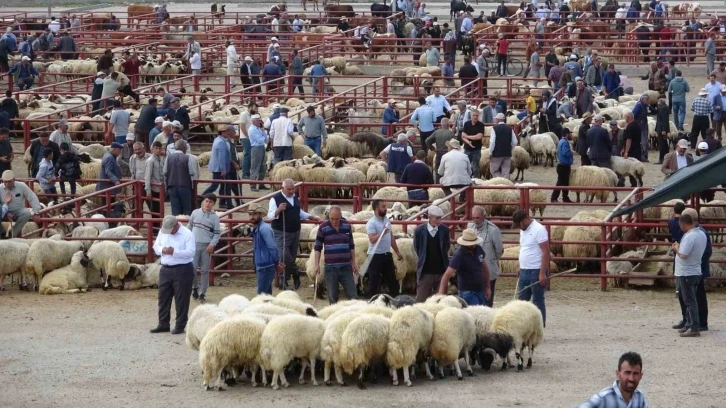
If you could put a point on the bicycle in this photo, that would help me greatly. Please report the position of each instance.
(514, 66)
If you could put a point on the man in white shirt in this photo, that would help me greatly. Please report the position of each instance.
(54, 25)
(195, 62)
(232, 60)
(438, 103)
(281, 135)
(688, 272)
(534, 260)
(176, 246)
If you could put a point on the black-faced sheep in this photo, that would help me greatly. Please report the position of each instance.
(518, 324)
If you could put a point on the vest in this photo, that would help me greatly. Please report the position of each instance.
(503, 141)
(434, 264)
(177, 171)
(291, 214)
(398, 158)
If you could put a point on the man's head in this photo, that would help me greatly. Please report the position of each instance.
(686, 222)
(437, 91)
(682, 147)
(587, 118)
(499, 118)
(580, 84)
(161, 91)
(176, 103)
(8, 179)
(156, 148)
(712, 78)
(153, 101)
(435, 214)
(678, 208)
(521, 220)
(252, 107)
(130, 139)
(230, 132)
(208, 202)
(170, 225)
(166, 126)
(116, 148)
(474, 116)
(566, 133)
(48, 153)
(158, 122)
(44, 138)
(693, 213)
(334, 215)
(722, 66)
(478, 215)
(492, 101)
(256, 120)
(311, 111)
(288, 187)
(629, 372)
(190, 39)
(469, 239)
(379, 208)
(421, 155)
(139, 149)
(629, 117)
(598, 119)
(180, 144)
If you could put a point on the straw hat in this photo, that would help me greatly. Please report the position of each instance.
(587, 115)
(703, 92)
(469, 238)
(454, 144)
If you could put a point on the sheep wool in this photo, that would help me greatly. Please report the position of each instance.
(326, 312)
(330, 345)
(72, 278)
(233, 304)
(454, 334)
(13, 255)
(364, 343)
(268, 309)
(288, 337)
(110, 258)
(203, 319)
(448, 300)
(289, 294)
(231, 343)
(45, 255)
(522, 321)
(409, 334)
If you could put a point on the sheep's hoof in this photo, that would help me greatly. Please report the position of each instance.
(285, 385)
(220, 388)
(207, 388)
(302, 382)
(504, 367)
(529, 363)
(343, 384)
(230, 381)
(104, 287)
(408, 384)
(360, 385)
(315, 383)
(254, 385)
(520, 367)
(471, 373)
(328, 383)
(460, 377)
(441, 376)
(394, 383)
(431, 377)
(275, 387)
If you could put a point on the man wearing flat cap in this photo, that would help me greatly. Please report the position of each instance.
(60, 135)
(431, 242)
(176, 246)
(472, 274)
(264, 249)
(13, 195)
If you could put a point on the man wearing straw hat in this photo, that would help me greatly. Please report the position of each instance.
(175, 245)
(472, 274)
(431, 242)
(534, 260)
(264, 249)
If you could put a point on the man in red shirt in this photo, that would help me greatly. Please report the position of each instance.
(666, 35)
(131, 67)
(502, 47)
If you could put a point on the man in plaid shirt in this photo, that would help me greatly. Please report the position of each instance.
(624, 392)
(336, 235)
(702, 110)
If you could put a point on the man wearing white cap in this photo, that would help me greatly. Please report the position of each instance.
(702, 150)
(60, 135)
(14, 194)
(702, 110)
(271, 48)
(282, 135)
(431, 242)
(176, 246)
(676, 160)
(472, 274)
(573, 66)
(249, 72)
(158, 125)
(24, 73)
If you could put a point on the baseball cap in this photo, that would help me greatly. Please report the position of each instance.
(130, 136)
(231, 127)
(25, 58)
(248, 58)
(168, 224)
(573, 56)
(703, 146)
(159, 119)
(683, 143)
(116, 145)
(613, 123)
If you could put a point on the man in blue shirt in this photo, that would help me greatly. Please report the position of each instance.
(701, 299)
(564, 164)
(423, 117)
(24, 73)
(439, 104)
(266, 255)
(390, 115)
(219, 162)
(258, 138)
(624, 392)
(318, 73)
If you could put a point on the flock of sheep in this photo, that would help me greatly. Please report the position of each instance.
(272, 333)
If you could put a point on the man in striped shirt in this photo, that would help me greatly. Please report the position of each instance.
(336, 235)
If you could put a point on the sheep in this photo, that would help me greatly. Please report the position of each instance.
(231, 343)
(433, 308)
(628, 167)
(391, 194)
(518, 324)
(454, 334)
(483, 318)
(486, 196)
(13, 255)
(614, 267)
(319, 174)
(72, 278)
(85, 232)
(203, 318)
(144, 276)
(409, 333)
(512, 266)
(543, 147)
(300, 151)
(268, 309)
(364, 343)
(326, 312)
(590, 176)
(448, 300)
(233, 304)
(288, 337)
(122, 231)
(47, 254)
(289, 295)
(330, 345)
(294, 305)
(110, 258)
(95, 151)
(347, 175)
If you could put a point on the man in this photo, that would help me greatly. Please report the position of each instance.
(676, 160)
(110, 171)
(631, 138)
(582, 142)
(192, 47)
(380, 244)
(687, 270)
(440, 138)
(501, 145)
(132, 67)
(677, 89)
(455, 168)
(313, 128)
(166, 98)
(204, 224)
(181, 115)
(424, 118)
(110, 87)
(397, 156)
(318, 74)
(624, 391)
(564, 165)
(282, 135)
(175, 245)
(702, 110)
(471, 270)
(105, 62)
(266, 254)
(555, 74)
(713, 87)
(472, 136)
(6, 150)
(271, 72)
(17, 213)
(245, 123)
(36, 151)
(155, 131)
(616, 138)
(124, 159)
(548, 119)
(147, 121)
(439, 104)
(468, 75)
(297, 69)
(583, 99)
(599, 143)
(258, 139)
(219, 163)
(710, 51)
(417, 173)
(154, 178)
(535, 64)
(234, 165)
(720, 73)
(534, 260)
(179, 170)
(431, 242)
(24, 73)
(701, 299)
(137, 162)
(432, 55)
(719, 112)
(712, 143)
(232, 61)
(490, 111)
(249, 72)
(336, 235)
(67, 47)
(119, 123)
(195, 63)
(492, 245)
(390, 115)
(60, 135)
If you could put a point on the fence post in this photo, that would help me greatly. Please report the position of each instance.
(162, 199)
(524, 197)
(603, 266)
(150, 241)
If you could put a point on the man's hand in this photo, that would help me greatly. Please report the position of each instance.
(488, 292)
(4, 159)
(542, 278)
(354, 267)
(325, 143)
(675, 246)
(317, 269)
(314, 218)
(280, 208)
(398, 255)
(9, 216)
(8, 197)
(210, 249)
(279, 267)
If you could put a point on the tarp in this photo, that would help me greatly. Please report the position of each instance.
(703, 174)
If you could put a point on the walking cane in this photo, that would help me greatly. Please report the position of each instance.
(367, 262)
(517, 292)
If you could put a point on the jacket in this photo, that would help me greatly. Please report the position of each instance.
(582, 142)
(590, 75)
(662, 123)
(678, 89)
(420, 241)
(564, 154)
(182, 116)
(109, 171)
(145, 122)
(601, 146)
(36, 152)
(389, 116)
(67, 44)
(68, 166)
(670, 163)
(611, 83)
(492, 245)
(271, 71)
(455, 169)
(718, 102)
(264, 248)
(220, 157)
(583, 103)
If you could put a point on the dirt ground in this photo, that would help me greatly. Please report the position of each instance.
(77, 350)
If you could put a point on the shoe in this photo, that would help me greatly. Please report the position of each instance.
(691, 333)
(177, 331)
(195, 294)
(566, 200)
(683, 330)
(159, 330)
(680, 325)
(202, 298)
(554, 200)
(704, 328)
(264, 187)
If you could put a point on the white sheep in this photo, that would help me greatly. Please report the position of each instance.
(454, 334)
(628, 167)
(45, 255)
(289, 295)
(537, 198)
(518, 324)
(410, 333)
(144, 276)
(203, 318)
(483, 318)
(72, 278)
(326, 312)
(590, 176)
(233, 304)
(331, 342)
(294, 305)
(13, 256)
(363, 344)
(448, 300)
(268, 309)
(288, 337)
(84, 231)
(231, 343)
(110, 258)
(543, 148)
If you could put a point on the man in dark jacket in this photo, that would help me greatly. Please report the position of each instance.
(271, 72)
(145, 122)
(67, 47)
(431, 241)
(10, 106)
(468, 74)
(111, 172)
(599, 143)
(182, 115)
(582, 143)
(548, 120)
(417, 173)
(249, 71)
(583, 99)
(36, 151)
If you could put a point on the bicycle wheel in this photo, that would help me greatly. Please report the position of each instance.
(514, 67)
